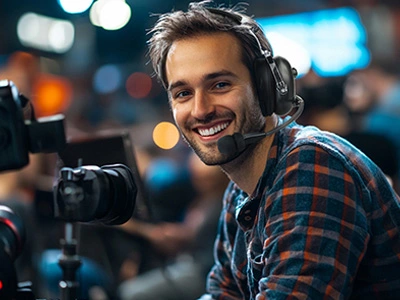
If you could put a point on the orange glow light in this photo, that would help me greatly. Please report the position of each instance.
(165, 135)
(51, 95)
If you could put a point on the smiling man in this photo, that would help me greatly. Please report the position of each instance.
(211, 93)
(306, 215)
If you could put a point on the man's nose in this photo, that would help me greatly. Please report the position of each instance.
(203, 105)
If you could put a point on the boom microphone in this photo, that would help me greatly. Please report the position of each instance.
(233, 145)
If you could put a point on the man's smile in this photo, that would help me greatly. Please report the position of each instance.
(210, 131)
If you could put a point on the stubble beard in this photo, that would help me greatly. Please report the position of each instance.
(253, 121)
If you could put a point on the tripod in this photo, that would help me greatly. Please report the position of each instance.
(69, 263)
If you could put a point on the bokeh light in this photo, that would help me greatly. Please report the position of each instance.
(107, 79)
(139, 85)
(75, 6)
(45, 33)
(110, 14)
(165, 135)
(51, 95)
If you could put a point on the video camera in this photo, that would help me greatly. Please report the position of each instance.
(21, 133)
(93, 194)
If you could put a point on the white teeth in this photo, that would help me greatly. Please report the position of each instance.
(213, 130)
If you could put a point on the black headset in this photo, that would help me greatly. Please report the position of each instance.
(274, 76)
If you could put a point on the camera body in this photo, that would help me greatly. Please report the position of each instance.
(19, 136)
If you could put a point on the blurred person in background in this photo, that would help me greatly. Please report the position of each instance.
(372, 95)
(186, 244)
(324, 103)
(306, 214)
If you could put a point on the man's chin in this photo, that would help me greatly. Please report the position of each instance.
(209, 153)
(213, 157)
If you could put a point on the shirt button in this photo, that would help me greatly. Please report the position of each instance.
(248, 218)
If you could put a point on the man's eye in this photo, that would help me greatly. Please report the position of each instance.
(182, 94)
(221, 85)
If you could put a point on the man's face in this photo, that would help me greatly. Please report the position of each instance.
(211, 93)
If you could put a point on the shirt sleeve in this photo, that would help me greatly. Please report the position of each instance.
(315, 231)
(221, 284)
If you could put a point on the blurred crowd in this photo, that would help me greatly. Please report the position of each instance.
(363, 107)
(167, 252)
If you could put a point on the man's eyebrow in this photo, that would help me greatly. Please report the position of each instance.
(205, 78)
(219, 74)
(175, 85)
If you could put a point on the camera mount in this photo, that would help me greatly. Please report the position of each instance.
(69, 263)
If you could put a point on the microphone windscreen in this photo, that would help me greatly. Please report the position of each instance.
(231, 144)
(226, 145)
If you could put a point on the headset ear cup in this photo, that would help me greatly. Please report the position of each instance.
(265, 86)
(284, 103)
(270, 100)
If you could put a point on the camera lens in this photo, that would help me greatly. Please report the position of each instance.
(122, 195)
(91, 194)
(12, 232)
(12, 240)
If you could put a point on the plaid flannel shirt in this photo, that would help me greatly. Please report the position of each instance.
(323, 223)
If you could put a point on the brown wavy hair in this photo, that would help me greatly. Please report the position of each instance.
(200, 19)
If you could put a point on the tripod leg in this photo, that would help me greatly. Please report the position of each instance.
(69, 263)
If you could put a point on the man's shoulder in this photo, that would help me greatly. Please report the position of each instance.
(309, 140)
(310, 136)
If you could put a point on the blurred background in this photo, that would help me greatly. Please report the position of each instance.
(87, 59)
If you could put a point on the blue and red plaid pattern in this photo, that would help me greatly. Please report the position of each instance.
(323, 223)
